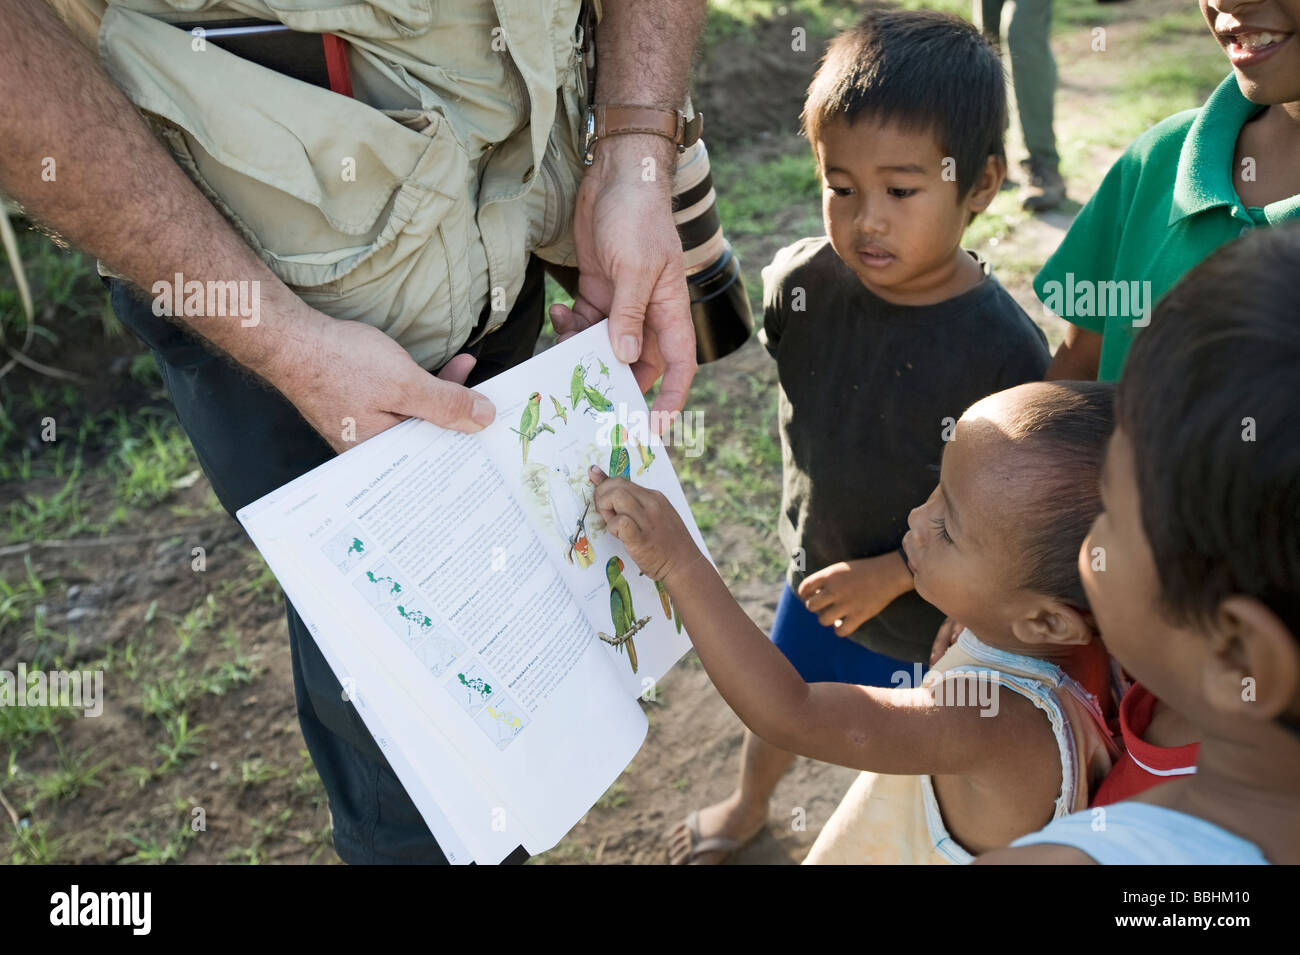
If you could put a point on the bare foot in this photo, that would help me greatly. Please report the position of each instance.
(719, 831)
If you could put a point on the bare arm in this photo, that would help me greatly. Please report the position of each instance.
(1078, 358)
(117, 194)
(1043, 853)
(895, 730)
(646, 50)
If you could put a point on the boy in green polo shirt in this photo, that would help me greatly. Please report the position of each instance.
(1192, 182)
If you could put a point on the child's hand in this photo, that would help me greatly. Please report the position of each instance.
(848, 594)
(646, 523)
(946, 636)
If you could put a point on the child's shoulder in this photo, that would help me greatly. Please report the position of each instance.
(997, 320)
(810, 257)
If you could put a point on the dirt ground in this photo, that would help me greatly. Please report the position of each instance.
(201, 717)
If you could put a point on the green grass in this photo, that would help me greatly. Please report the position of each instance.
(37, 516)
(22, 725)
(734, 18)
(73, 775)
(62, 280)
(736, 479)
(32, 845)
(19, 595)
(750, 194)
(175, 842)
(153, 459)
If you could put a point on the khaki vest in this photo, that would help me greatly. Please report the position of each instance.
(412, 206)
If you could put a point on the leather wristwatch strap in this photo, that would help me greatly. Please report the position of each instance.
(613, 119)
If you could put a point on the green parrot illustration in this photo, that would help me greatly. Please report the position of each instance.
(644, 453)
(596, 400)
(559, 410)
(603, 370)
(579, 390)
(530, 423)
(669, 609)
(577, 385)
(620, 464)
(620, 609)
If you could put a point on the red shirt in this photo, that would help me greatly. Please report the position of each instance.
(1143, 765)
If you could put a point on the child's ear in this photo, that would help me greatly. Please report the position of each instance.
(987, 184)
(1252, 668)
(1052, 622)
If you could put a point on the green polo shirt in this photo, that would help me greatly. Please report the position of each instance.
(1165, 205)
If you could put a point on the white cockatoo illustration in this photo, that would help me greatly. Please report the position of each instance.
(569, 512)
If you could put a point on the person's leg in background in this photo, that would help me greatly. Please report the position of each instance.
(820, 655)
(1033, 74)
(987, 17)
(249, 441)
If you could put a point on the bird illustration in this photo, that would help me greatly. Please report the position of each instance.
(620, 465)
(577, 385)
(579, 390)
(596, 400)
(669, 609)
(644, 453)
(559, 410)
(570, 515)
(620, 610)
(603, 370)
(530, 423)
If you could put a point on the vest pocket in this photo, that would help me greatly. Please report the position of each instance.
(364, 212)
(376, 19)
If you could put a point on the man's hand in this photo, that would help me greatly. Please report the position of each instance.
(629, 254)
(648, 526)
(848, 594)
(351, 381)
(630, 266)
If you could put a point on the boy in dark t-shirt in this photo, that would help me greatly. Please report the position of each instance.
(884, 331)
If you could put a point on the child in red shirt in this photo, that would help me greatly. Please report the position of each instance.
(1159, 745)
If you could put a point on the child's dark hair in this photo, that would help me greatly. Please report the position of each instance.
(1209, 401)
(922, 69)
(1061, 436)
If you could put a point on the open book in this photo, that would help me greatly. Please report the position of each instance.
(492, 633)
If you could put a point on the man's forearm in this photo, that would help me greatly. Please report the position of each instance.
(644, 53)
(112, 190)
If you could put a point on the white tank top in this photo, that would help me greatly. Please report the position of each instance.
(1137, 833)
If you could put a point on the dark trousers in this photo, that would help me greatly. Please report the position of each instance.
(249, 440)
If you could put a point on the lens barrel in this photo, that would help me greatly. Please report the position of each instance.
(719, 303)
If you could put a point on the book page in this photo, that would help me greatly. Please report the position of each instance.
(432, 584)
(572, 406)
(428, 752)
